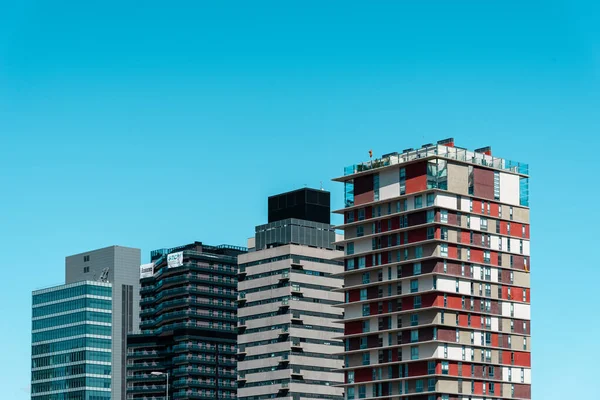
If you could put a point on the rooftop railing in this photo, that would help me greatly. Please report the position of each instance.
(452, 153)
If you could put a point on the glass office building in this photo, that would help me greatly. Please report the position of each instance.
(71, 342)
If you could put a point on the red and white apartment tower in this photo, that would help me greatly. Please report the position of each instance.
(437, 276)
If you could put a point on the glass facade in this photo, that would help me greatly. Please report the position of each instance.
(295, 231)
(71, 342)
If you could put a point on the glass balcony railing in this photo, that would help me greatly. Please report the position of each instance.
(451, 153)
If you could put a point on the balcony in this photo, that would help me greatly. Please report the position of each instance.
(147, 389)
(285, 359)
(296, 373)
(296, 263)
(296, 317)
(241, 297)
(285, 276)
(284, 331)
(296, 345)
(296, 289)
(285, 303)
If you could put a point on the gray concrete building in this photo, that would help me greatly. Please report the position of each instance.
(286, 306)
(79, 342)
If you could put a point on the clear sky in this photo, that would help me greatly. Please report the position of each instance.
(153, 126)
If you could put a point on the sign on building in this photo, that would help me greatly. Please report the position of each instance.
(175, 259)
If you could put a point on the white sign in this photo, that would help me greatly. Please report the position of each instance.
(175, 259)
(146, 270)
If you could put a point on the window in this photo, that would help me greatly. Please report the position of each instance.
(430, 367)
(360, 231)
(418, 201)
(445, 350)
(497, 186)
(431, 385)
(444, 251)
(444, 216)
(414, 336)
(402, 181)
(486, 256)
(445, 300)
(484, 224)
(363, 342)
(430, 232)
(430, 216)
(468, 254)
(414, 353)
(350, 216)
(366, 310)
(366, 358)
(430, 199)
(361, 262)
(416, 268)
(86, 258)
(457, 334)
(463, 357)
(350, 264)
(414, 285)
(522, 375)
(520, 246)
(417, 302)
(414, 319)
(511, 213)
(418, 251)
(366, 326)
(376, 186)
(444, 233)
(446, 263)
(86, 269)
(445, 367)
(418, 385)
(366, 278)
(471, 205)
(361, 214)
(462, 301)
(350, 248)
(363, 294)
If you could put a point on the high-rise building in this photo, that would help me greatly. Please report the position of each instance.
(188, 325)
(287, 331)
(79, 329)
(436, 276)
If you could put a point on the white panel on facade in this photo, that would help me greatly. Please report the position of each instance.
(509, 188)
(476, 271)
(506, 309)
(477, 338)
(475, 222)
(389, 184)
(504, 244)
(526, 247)
(464, 203)
(522, 311)
(527, 376)
(495, 242)
(464, 287)
(514, 246)
(494, 272)
(495, 324)
(446, 201)
(446, 284)
(353, 311)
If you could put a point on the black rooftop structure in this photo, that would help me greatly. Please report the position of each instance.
(305, 204)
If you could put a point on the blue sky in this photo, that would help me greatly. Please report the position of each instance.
(156, 126)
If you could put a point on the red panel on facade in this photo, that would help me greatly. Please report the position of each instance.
(494, 209)
(478, 388)
(483, 184)
(453, 368)
(522, 391)
(495, 340)
(526, 231)
(416, 177)
(354, 295)
(373, 308)
(446, 335)
(372, 292)
(417, 218)
(503, 228)
(477, 255)
(363, 375)
(452, 251)
(418, 369)
(465, 237)
(476, 206)
(452, 218)
(522, 359)
(463, 320)
(516, 229)
(518, 262)
(350, 328)
(368, 212)
(363, 190)
(454, 302)
(417, 235)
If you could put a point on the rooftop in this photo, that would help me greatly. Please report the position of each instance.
(444, 148)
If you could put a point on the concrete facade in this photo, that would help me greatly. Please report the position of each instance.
(287, 329)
